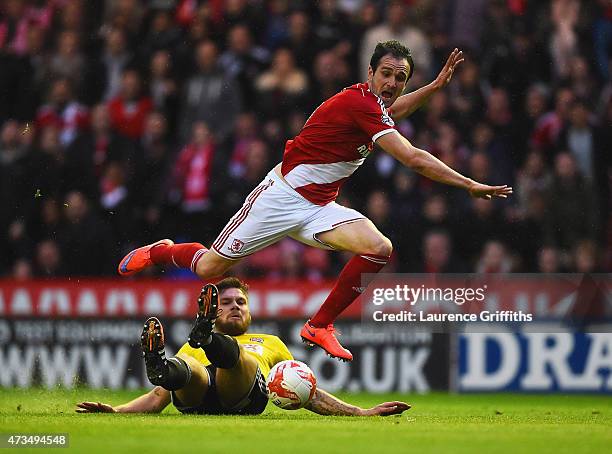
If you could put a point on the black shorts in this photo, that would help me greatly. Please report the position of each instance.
(254, 403)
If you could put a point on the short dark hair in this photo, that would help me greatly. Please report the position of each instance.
(233, 282)
(395, 48)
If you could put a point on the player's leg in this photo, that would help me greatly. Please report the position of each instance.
(194, 256)
(192, 394)
(341, 228)
(182, 374)
(235, 384)
(372, 251)
(262, 220)
(360, 237)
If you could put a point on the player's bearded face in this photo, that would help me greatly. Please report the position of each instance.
(234, 316)
(389, 79)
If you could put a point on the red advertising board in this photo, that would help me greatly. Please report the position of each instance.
(543, 295)
(116, 298)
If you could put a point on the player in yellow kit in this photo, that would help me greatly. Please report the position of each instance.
(222, 368)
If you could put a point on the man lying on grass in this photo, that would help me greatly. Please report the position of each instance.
(221, 369)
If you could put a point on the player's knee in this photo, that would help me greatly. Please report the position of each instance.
(381, 246)
(190, 360)
(208, 269)
(198, 375)
(202, 270)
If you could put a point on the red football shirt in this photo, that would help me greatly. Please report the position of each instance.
(334, 142)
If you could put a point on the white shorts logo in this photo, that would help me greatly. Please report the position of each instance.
(236, 245)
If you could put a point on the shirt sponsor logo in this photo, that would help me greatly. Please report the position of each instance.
(365, 150)
(254, 348)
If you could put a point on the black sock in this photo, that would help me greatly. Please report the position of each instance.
(223, 351)
(179, 374)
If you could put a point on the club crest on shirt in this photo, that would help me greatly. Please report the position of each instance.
(236, 245)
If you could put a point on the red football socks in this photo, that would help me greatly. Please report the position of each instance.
(183, 255)
(347, 288)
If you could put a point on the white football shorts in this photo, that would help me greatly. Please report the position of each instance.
(274, 210)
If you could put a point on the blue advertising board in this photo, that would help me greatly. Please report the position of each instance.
(562, 361)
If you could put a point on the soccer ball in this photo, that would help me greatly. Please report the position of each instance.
(291, 384)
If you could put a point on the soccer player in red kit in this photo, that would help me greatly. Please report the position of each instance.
(297, 197)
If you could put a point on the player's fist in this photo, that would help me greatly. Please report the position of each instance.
(387, 409)
(94, 407)
(484, 191)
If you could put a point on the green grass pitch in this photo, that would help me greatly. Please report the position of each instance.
(504, 423)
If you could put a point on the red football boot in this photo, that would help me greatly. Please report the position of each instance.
(326, 339)
(139, 259)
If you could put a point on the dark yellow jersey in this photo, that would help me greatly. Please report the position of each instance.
(265, 348)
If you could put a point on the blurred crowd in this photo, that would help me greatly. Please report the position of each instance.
(126, 121)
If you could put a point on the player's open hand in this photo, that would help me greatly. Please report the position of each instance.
(446, 74)
(94, 407)
(387, 409)
(484, 191)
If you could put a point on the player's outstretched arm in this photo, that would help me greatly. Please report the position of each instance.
(428, 165)
(323, 403)
(408, 103)
(152, 402)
